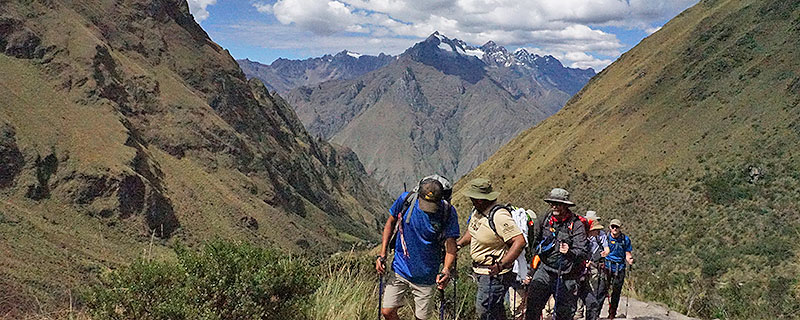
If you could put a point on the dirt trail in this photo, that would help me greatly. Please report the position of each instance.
(640, 310)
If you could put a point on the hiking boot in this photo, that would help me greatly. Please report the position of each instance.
(612, 315)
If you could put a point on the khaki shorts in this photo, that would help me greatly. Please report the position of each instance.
(397, 286)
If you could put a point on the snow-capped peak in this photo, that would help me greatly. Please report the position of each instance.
(353, 54)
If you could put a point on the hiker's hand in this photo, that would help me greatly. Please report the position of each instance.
(563, 248)
(527, 280)
(380, 264)
(630, 261)
(495, 269)
(442, 279)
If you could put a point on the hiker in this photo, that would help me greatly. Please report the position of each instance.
(518, 291)
(595, 271)
(585, 286)
(428, 223)
(560, 240)
(616, 260)
(494, 246)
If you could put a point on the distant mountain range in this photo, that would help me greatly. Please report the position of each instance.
(283, 74)
(441, 106)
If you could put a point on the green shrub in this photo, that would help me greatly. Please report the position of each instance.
(221, 281)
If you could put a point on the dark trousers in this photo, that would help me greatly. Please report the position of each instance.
(490, 298)
(590, 293)
(613, 281)
(543, 285)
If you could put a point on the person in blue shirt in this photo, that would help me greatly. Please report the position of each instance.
(619, 255)
(421, 230)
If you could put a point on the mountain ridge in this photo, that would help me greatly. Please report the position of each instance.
(125, 129)
(384, 113)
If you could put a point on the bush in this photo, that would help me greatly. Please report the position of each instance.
(221, 281)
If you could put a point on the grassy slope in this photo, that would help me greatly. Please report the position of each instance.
(57, 245)
(664, 139)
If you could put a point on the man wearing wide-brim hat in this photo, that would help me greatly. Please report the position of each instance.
(493, 250)
(559, 239)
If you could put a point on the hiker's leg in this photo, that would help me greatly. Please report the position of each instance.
(489, 299)
(393, 295)
(516, 298)
(539, 290)
(616, 291)
(591, 301)
(583, 293)
(567, 299)
(423, 295)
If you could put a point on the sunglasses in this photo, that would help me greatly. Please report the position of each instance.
(614, 227)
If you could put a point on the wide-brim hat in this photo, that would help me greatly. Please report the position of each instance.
(592, 215)
(559, 195)
(596, 226)
(481, 188)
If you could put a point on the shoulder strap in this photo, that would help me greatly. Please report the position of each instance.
(491, 218)
(408, 203)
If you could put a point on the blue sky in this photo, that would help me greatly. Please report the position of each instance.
(580, 33)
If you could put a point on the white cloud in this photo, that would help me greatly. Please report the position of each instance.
(198, 9)
(323, 17)
(564, 27)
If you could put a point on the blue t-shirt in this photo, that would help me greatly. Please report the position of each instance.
(616, 258)
(422, 241)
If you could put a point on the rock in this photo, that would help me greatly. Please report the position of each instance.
(248, 222)
(18, 41)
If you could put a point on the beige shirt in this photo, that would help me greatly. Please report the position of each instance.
(485, 242)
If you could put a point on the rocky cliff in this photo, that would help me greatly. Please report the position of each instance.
(123, 127)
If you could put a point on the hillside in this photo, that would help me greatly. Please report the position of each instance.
(443, 106)
(124, 129)
(283, 75)
(690, 138)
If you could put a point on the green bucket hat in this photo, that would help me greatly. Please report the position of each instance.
(481, 188)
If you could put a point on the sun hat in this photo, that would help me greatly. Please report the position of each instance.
(481, 188)
(596, 226)
(592, 215)
(615, 222)
(560, 196)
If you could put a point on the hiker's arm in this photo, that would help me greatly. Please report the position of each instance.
(577, 248)
(629, 257)
(387, 233)
(465, 240)
(516, 244)
(449, 258)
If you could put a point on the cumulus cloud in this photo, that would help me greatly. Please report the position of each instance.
(564, 27)
(198, 9)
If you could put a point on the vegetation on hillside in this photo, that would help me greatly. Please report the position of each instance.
(225, 280)
(690, 138)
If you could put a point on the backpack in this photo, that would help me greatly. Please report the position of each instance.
(405, 213)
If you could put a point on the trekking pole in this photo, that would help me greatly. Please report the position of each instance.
(441, 304)
(558, 285)
(380, 294)
(628, 297)
(454, 274)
